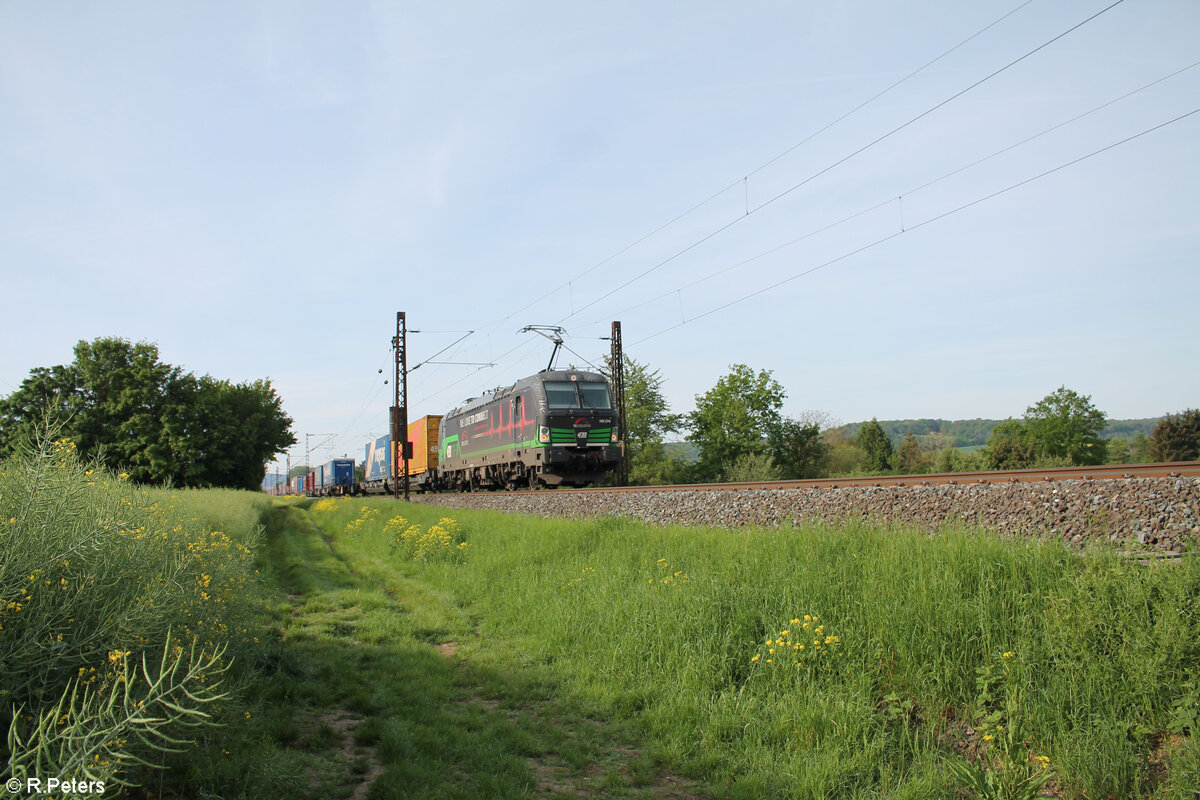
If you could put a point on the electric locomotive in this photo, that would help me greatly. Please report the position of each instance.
(555, 428)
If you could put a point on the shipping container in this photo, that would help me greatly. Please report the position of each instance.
(424, 437)
(336, 477)
(377, 460)
(379, 456)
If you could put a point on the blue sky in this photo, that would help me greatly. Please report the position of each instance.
(258, 187)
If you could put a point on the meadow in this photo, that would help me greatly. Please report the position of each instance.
(223, 644)
(833, 662)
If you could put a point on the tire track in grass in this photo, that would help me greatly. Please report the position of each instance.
(378, 700)
(587, 759)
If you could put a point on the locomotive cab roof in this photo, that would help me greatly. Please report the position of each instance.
(545, 375)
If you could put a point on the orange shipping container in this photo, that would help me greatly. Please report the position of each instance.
(424, 437)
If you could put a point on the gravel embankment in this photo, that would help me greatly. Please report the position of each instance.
(1162, 514)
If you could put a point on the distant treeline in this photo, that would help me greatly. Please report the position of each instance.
(976, 432)
(946, 433)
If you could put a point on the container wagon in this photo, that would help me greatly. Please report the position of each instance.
(422, 466)
(336, 478)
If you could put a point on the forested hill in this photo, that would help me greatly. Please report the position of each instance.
(976, 432)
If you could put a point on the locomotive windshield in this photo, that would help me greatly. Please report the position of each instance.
(594, 395)
(571, 394)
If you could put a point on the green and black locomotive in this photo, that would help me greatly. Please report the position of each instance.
(555, 428)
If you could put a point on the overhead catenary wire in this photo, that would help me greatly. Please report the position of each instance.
(439, 352)
(380, 386)
(743, 181)
(694, 306)
(678, 290)
(919, 225)
(842, 160)
(371, 398)
(895, 85)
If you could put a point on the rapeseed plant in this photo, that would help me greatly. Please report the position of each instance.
(1007, 766)
(666, 576)
(806, 645)
(94, 572)
(365, 515)
(584, 573)
(443, 541)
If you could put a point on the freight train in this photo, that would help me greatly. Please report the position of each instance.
(333, 479)
(555, 428)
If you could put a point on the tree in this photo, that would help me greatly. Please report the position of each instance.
(150, 419)
(1065, 424)
(753, 467)
(798, 450)
(112, 393)
(1010, 446)
(845, 456)
(22, 413)
(1139, 450)
(653, 465)
(1177, 437)
(734, 419)
(238, 428)
(1117, 451)
(951, 459)
(876, 445)
(911, 457)
(647, 421)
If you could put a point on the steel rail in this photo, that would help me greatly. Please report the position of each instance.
(1102, 472)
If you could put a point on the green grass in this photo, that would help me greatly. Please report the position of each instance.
(369, 686)
(1099, 676)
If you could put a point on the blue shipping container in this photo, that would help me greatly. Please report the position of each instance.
(339, 472)
(378, 459)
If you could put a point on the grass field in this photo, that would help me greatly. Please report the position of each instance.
(383, 650)
(830, 662)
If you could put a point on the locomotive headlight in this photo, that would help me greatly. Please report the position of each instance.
(613, 437)
(544, 434)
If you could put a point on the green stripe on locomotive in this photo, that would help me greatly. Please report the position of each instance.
(565, 436)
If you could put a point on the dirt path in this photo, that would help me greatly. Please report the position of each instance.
(382, 701)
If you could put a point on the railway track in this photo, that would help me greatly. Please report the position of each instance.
(1102, 472)
(1148, 507)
